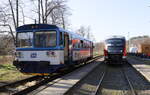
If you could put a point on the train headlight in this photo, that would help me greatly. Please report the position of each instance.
(19, 54)
(121, 50)
(51, 53)
(109, 45)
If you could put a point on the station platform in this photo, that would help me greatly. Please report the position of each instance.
(140, 66)
(61, 85)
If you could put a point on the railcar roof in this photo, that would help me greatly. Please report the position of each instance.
(116, 37)
(29, 27)
(35, 27)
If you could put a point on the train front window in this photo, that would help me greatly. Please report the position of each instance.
(113, 41)
(24, 39)
(45, 39)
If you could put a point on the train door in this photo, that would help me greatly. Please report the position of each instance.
(91, 49)
(66, 48)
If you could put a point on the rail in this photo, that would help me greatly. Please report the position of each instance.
(129, 82)
(99, 84)
(17, 83)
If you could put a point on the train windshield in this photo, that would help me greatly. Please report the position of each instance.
(45, 39)
(24, 39)
(114, 41)
(115, 45)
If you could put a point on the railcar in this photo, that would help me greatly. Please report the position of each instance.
(42, 49)
(115, 50)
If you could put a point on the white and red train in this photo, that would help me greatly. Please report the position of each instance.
(43, 49)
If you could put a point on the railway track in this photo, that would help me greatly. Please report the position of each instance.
(34, 87)
(89, 83)
(40, 80)
(140, 85)
(113, 80)
(7, 87)
(129, 83)
(99, 84)
(102, 83)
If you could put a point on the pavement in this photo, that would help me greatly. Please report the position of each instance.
(140, 66)
(63, 84)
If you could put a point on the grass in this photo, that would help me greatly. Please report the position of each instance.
(6, 59)
(97, 53)
(8, 72)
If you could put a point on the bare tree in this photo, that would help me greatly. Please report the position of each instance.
(85, 32)
(49, 11)
(5, 21)
(53, 12)
(57, 13)
(99, 48)
(8, 23)
(82, 31)
(9, 16)
(13, 14)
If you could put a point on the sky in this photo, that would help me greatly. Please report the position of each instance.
(129, 18)
(111, 17)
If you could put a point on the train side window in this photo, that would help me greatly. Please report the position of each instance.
(78, 45)
(82, 44)
(61, 39)
(85, 45)
(70, 40)
(73, 45)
